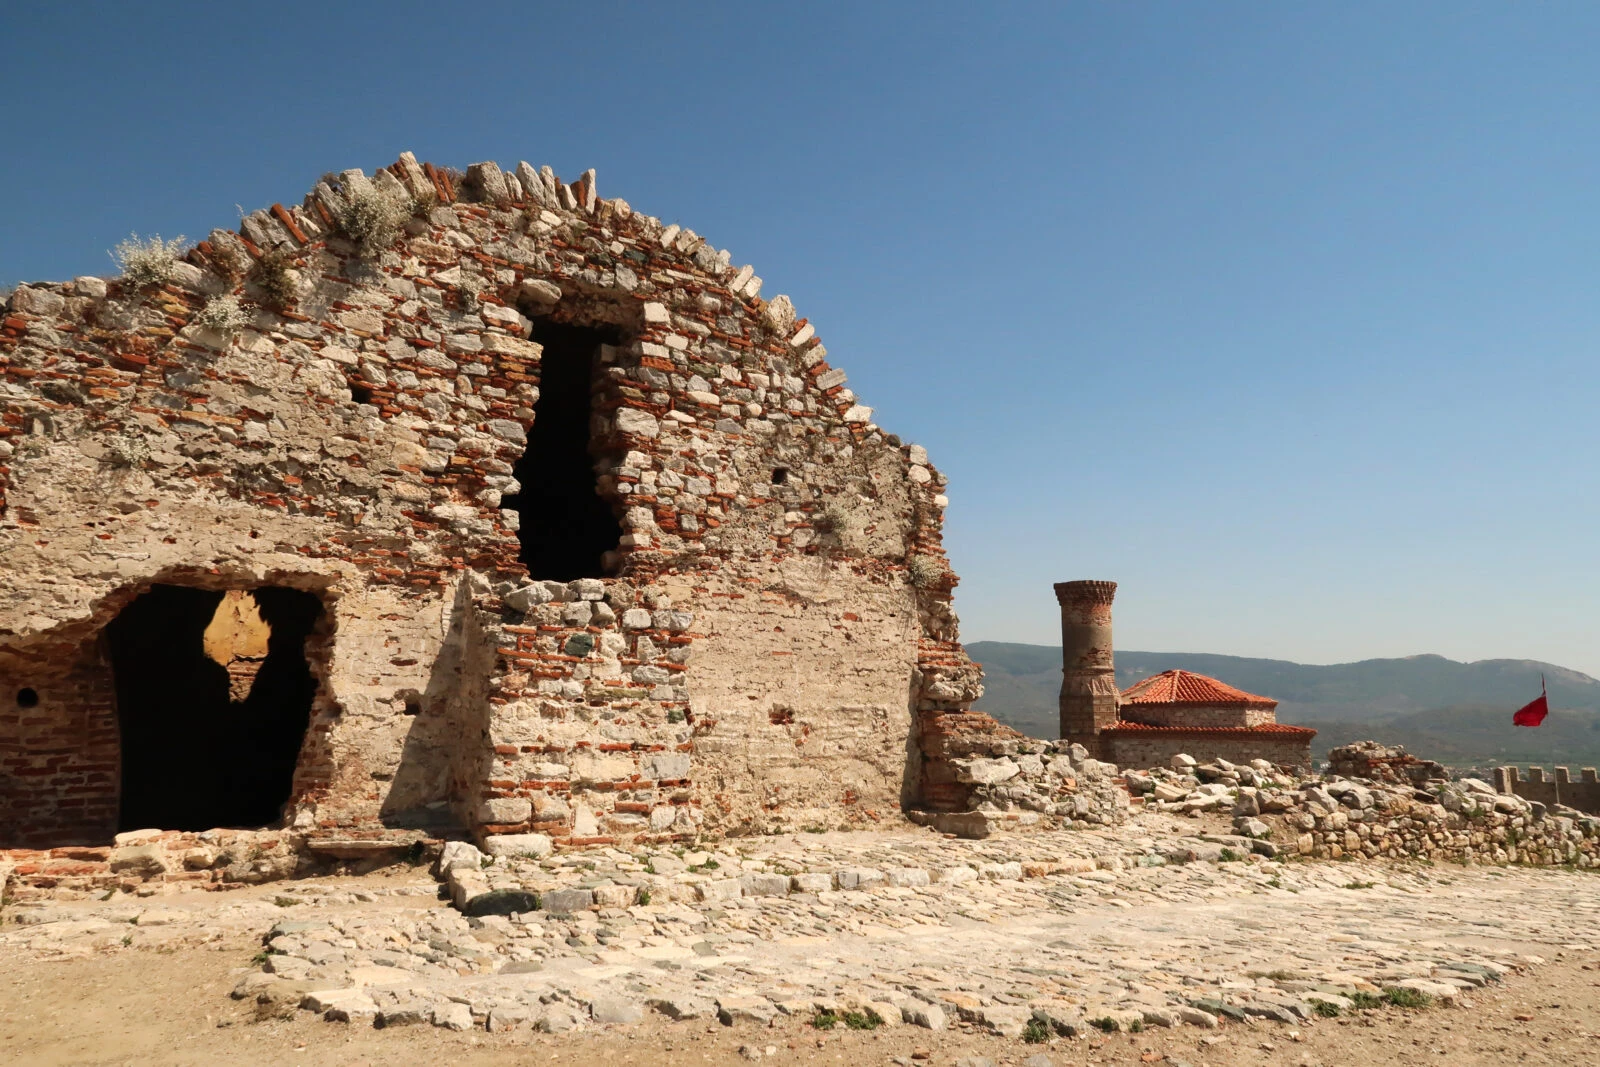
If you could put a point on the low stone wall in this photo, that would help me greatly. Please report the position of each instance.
(1583, 795)
(1150, 748)
(210, 858)
(1464, 821)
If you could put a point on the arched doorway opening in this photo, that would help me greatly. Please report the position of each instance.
(214, 694)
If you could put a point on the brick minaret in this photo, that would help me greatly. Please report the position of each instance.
(1088, 676)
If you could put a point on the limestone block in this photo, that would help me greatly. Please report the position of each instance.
(665, 766)
(527, 598)
(452, 1016)
(615, 896)
(1001, 872)
(986, 771)
(737, 1009)
(145, 860)
(615, 1010)
(601, 767)
(540, 291)
(567, 901)
(722, 889)
(537, 846)
(505, 810)
(639, 423)
(859, 878)
(765, 885)
(816, 883)
(905, 877)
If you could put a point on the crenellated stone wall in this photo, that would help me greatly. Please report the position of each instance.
(1582, 795)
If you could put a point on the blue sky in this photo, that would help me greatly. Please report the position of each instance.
(1283, 316)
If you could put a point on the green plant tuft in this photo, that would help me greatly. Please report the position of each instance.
(1402, 997)
(1036, 1032)
(862, 1020)
(825, 1020)
(1363, 999)
(1325, 1009)
(1106, 1024)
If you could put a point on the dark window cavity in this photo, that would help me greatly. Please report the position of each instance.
(566, 527)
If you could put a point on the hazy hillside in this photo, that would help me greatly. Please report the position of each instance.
(1458, 713)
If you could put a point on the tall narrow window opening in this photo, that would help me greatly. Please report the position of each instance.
(213, 698)
(566, 527)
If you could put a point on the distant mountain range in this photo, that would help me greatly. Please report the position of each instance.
(1457, 713)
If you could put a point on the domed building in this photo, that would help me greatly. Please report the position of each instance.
(1166, 714)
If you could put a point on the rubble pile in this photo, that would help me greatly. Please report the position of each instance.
(1383, 763)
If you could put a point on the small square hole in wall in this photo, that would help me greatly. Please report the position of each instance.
(361, 394)
(780, 476)
(27, 697)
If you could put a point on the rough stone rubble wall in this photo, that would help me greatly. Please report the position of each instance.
(1139, 749)
(1197, 714)
(746, 619)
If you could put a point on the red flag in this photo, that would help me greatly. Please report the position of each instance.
(1533, 712)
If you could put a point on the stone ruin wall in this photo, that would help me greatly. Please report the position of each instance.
(1196, 715)
(1135, 748)
(755, 662)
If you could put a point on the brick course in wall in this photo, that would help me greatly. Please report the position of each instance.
(357, 440)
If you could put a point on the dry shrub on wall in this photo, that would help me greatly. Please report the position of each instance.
(274, 276)
(126, 450)
(924, 571)
(223, 314)
(372, 220)
(147, 261)
(229, 260)
(834, 518)
(424, 202)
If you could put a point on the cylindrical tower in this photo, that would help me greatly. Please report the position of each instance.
(1088, 673)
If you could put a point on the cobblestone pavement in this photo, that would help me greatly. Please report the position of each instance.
(1066, 928)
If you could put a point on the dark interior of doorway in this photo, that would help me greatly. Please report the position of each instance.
(566, 528)
(192, 759)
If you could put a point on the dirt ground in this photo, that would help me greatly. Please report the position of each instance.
(171, 1007)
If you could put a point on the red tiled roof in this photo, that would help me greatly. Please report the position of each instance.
(1276, 728)
(1187, 687)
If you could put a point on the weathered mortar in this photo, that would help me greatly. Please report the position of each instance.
(752, 659)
